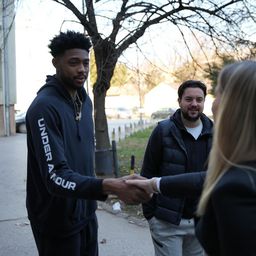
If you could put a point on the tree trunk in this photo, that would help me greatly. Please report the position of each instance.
(106, 58)
(100, 120)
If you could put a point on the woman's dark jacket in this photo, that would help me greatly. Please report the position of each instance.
(61, 188)
(188, 184)
(166, 154)
(228, 227)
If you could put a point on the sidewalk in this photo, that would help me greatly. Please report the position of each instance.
(116, 235)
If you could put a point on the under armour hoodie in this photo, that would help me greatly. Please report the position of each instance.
(61, 187)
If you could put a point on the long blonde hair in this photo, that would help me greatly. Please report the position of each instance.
(235, 128)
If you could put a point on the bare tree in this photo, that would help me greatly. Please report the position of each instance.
(127, 20)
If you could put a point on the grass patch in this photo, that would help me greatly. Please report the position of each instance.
(135, 145)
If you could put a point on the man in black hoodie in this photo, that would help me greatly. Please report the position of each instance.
(61, 185)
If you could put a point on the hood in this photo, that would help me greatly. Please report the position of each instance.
(176, 118)
(53, 82)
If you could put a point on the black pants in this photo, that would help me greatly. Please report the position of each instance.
(84, 243)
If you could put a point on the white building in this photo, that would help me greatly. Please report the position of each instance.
(126, 96)
(165, 96)
(161, 96)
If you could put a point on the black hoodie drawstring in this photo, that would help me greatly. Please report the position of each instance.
(78, 113)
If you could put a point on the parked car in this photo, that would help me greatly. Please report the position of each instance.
(20, 122)
(124, 113)
(117, 113)
(162, 113)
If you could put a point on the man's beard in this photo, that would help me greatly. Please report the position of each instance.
(190, 118)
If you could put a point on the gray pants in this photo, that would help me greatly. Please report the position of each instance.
(172, 240)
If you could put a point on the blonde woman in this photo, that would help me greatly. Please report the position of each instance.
(227, 206)
(228, 202)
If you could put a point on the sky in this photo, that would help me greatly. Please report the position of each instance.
(38, 21)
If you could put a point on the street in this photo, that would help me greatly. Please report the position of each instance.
(117, 236)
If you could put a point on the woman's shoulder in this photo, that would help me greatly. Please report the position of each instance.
(238, 177)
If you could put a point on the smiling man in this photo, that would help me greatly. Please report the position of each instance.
(177, 145)
(61, 185)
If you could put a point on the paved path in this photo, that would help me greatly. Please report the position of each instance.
(117, 236)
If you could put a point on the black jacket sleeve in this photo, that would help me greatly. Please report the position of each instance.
(46, 152)
(187, 184)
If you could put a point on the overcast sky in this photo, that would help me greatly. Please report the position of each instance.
(38, 21)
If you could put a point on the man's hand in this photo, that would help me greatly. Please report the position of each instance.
(128, 193)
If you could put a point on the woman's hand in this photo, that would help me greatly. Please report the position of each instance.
(148, 185)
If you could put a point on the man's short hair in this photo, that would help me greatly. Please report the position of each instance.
(191, 84)
(69, 40)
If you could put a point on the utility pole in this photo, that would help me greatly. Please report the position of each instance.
(6, 113)
(139, 85)
(8, 68)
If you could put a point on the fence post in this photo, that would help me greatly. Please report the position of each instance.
(113, 134)
(119, 133)
(132, 164)
(115, 160)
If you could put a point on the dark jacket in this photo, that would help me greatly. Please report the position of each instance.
(166, 154)
(61, 187)
(187, 184)
(228, 227)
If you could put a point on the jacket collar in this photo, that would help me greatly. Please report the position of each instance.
(53, 82)
(207, 122)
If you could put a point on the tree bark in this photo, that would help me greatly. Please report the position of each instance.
(100, 120)
(106, 59)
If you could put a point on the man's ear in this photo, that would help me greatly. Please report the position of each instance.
(54, 62)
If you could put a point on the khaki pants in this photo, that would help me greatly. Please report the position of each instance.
(172, 240)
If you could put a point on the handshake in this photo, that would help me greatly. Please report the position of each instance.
(131, 189)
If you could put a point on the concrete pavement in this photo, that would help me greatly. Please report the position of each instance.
(116, 235)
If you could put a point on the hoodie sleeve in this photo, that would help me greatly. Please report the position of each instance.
(46, 155)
